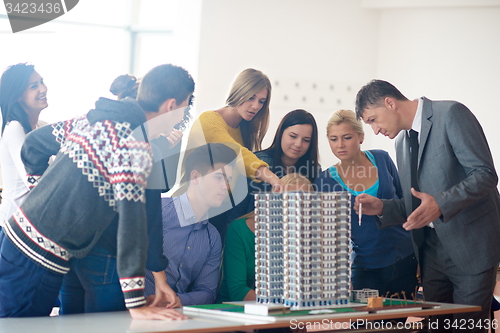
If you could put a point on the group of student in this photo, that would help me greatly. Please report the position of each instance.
(95, 231)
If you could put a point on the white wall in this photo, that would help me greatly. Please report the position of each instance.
(446, 53)
(441, 49)
(78, 62)
(80, 53)
(298, 44)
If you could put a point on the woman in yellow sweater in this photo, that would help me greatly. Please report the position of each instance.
(242, 123)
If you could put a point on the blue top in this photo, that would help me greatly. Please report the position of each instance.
(194, 252)
(373, 190)
(373, 247)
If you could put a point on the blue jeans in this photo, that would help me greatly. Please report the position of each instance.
(26, 289)
(92, 285)
(401, 276)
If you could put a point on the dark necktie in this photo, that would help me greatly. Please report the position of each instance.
(414, 166)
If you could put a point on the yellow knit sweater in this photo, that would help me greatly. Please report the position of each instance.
(211, 127)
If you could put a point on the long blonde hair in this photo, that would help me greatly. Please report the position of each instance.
(246, 84)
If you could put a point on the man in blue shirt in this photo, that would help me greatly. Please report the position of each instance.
(193, 245)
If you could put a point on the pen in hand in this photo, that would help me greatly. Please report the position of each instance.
(360, 213)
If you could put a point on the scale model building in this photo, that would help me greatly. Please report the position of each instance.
(302, 248)
(363, 295)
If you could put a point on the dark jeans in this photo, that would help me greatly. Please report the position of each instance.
(401, 276)
(92, 285)
(26, 289)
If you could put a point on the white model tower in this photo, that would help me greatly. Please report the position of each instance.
(302, 248)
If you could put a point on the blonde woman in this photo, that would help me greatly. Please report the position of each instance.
(382, 259)
(242, 123)
(238, 283)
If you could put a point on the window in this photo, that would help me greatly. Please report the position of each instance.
(80, 53)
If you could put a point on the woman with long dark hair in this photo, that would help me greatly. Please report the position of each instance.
(294, 150)
(23, 95)
(294, 147)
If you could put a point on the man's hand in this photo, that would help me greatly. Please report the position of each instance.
(164, 300)
(371, 205)
(164, 295)
(427, 212)
(147, 312)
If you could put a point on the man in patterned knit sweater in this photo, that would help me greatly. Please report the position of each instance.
(101, 170)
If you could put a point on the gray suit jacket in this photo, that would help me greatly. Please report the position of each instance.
(455, 167)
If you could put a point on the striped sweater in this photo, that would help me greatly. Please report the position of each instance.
(100, 171)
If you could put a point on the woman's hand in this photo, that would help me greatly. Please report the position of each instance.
(263, 173)
(174, 137)
(278, 187)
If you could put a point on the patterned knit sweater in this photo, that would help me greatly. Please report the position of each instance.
(100, 171)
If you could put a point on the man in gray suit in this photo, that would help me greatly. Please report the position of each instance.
(450, 204)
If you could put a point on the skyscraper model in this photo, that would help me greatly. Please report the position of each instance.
(302, 248)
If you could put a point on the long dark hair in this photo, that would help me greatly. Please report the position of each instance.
(13, 84)
(307, 165)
